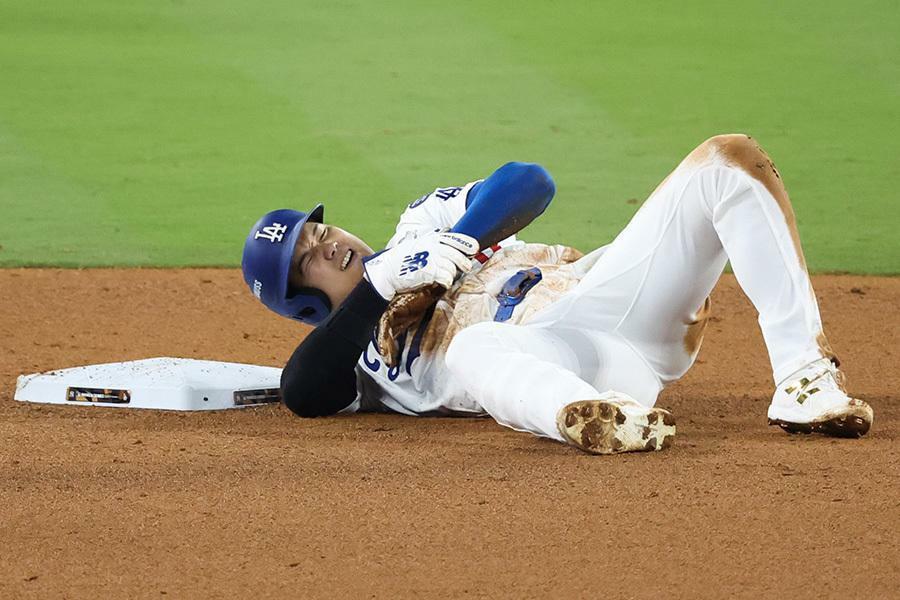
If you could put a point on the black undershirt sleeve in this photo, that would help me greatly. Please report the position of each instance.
(319, 379)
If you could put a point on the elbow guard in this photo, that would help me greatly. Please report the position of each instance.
(506, 202)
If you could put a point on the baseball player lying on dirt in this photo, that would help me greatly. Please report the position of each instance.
(457, 317)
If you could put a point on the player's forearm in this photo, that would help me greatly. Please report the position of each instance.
(319, 379)
(506, 202)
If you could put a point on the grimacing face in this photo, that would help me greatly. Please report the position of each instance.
(329, 259)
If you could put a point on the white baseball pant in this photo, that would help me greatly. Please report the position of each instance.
(635, 321)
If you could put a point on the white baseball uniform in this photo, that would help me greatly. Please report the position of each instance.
(627, 317)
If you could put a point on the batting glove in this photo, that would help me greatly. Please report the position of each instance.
(436, 257)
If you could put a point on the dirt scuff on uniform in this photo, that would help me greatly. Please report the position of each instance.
(118, 503)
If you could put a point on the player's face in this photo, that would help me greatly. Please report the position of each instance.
(329, 259)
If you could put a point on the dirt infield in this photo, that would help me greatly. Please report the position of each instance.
(117, 503)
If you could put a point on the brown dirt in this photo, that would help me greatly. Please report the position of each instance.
(118, 503)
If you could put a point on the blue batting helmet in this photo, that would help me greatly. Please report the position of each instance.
(267, 264)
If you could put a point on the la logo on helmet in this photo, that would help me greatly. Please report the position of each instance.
(273, 233)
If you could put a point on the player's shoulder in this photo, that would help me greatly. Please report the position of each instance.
(439, 194)
(443, 195)
(438, 209)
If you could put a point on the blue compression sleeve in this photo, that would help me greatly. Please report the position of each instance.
(506, 202)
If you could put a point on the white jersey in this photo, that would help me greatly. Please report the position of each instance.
(421, 384)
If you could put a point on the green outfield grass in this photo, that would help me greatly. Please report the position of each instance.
(155, 133)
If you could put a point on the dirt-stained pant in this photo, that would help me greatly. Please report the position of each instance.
(635, 321)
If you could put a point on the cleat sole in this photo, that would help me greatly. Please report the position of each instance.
(600, 427)
(852, 423)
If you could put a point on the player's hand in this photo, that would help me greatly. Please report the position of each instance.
(436, 257)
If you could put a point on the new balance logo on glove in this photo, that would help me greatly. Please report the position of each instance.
(418, 261)
(413, 263)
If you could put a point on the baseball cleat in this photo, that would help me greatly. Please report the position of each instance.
(813, 400)
(615, 423)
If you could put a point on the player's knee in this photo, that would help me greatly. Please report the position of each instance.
(737, 149)
(729, 143)
(728, 138)
(743, 152)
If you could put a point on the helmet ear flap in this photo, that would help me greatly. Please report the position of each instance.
(315, 305)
